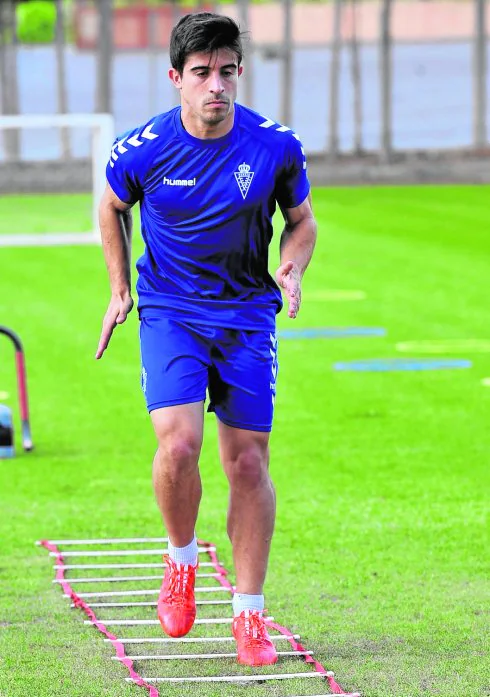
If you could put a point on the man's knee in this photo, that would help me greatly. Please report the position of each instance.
(180, 448)
(249, 468)
(179, 434)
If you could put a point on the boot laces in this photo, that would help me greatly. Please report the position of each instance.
(179, 590)
(255, 631)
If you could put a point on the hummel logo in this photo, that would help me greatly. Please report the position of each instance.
(179, 182)
(244, 178)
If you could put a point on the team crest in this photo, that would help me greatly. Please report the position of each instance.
(244, 178)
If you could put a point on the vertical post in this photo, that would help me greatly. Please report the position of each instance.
(104, 58)
(480, 76)
(386, 79)
(60, 76)
(175, 18)
(287, 63)
(103, 138)
(333, 131)
(153, 62)
(356, 80)
(247, 77)
(8, 75)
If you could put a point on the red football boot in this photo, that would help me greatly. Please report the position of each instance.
(253, 643)
(176, 605)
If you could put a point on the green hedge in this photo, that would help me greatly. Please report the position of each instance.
(36, 22)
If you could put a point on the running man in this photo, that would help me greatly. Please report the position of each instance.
(208, 175)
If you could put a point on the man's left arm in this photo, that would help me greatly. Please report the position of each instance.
(296, 247)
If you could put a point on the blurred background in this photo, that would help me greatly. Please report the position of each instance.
(389, 89)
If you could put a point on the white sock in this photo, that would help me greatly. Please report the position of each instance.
(184, 555)
(243, 601)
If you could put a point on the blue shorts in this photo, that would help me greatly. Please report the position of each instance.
(237, 367)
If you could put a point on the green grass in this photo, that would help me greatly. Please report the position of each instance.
(45, 213)
(380, 556)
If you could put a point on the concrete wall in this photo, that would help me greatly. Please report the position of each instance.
(405, 168)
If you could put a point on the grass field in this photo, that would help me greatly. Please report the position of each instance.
(380, 556)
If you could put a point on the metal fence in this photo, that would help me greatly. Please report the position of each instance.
(350, 76)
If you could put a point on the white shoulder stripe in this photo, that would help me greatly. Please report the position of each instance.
(121, 147)
(135, 141)
(147, 133)
(267, 123)
(284, 129)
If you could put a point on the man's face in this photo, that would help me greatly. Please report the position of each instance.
(208, 84)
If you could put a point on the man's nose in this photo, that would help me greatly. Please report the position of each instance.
(216, 84)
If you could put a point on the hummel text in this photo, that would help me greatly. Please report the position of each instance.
(179, 182)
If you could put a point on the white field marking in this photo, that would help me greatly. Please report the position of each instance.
(4, 395)
(122, 552)
(48, 239)
(486, 382)
(121, 579)
(108, 541)
(445, 346)
(154, 623)
(333, 295)
(183, 656)
(154, 604)
(113, 594)
(237, 678)
(197, 640)
(119, 566)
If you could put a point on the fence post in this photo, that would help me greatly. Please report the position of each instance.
(287, 64)
(356, 80)
(386, 79)
(479, 77)
(247, 77)
(104, 58)
(333, 131)
(60, 76)
(9, 76)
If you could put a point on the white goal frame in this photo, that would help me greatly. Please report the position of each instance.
(102, 130)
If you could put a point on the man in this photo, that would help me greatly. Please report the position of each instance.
(208, 175)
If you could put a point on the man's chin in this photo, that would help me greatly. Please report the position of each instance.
(216, 117)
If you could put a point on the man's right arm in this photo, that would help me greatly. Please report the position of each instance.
(116, 224)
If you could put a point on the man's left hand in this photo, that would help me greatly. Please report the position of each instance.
(288, 277)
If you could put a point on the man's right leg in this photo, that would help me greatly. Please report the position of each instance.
(177, 485)
(174, 379)
(176, 478)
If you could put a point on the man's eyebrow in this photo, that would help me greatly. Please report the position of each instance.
(207, 67)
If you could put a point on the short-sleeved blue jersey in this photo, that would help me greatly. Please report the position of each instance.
(206, 210)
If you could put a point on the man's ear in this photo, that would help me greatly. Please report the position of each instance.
(175, 78)
(240, 70)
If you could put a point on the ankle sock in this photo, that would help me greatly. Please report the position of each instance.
(184, 555)
(243, 601)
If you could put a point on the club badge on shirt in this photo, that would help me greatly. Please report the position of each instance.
(244, 178)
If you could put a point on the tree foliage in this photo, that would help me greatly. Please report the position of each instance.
(36, 21)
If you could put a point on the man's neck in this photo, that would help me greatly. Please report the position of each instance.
(204, 131)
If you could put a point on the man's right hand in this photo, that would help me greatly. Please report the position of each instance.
(119, 308)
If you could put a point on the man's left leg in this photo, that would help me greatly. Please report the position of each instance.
(252, 504)
(251, 515)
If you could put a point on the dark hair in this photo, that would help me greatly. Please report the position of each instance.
(203, 32)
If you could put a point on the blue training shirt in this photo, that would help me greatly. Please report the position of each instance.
(206, 215)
